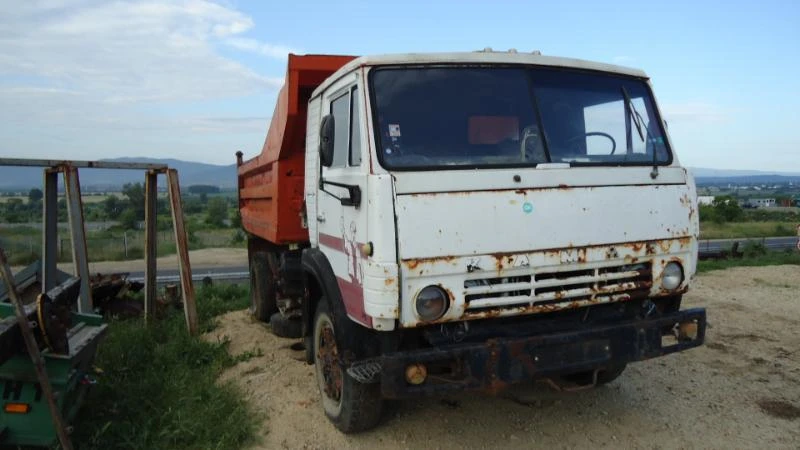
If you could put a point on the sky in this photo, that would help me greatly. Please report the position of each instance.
(197, 80)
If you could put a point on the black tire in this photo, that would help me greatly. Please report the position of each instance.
(351, 406)
(285, 327)
(263, 300)
(604, 376)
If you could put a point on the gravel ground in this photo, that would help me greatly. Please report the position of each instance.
(740, 390)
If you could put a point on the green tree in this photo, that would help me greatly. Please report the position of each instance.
(217, 212)
(135, 194)
(113, 207)
(726, 209)
(236, 218)
(128, 219)
(35, 195)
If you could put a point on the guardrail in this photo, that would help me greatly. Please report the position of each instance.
(171, 279)
(717, 248)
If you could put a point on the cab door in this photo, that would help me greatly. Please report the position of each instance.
(341, 199)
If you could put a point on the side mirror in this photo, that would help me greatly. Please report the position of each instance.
(326, 140)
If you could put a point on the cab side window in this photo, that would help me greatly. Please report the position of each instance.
(340, 109)
(347, 132)
(355, 129)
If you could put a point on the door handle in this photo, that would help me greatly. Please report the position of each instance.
(321, 218)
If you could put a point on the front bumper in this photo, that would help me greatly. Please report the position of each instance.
(496, 363)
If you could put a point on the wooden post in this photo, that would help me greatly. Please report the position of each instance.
(33, 351)
(50, 248)
(150, 243)
(182, 244)
(77, 229)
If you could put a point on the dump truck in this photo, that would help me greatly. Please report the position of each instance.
(430, 223)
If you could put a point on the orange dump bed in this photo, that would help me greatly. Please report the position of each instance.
(271, 184)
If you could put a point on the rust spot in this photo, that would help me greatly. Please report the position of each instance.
(631, 259)
(413, 263)
(650, 250)
(636, 246)
(449, 293)
(582, 255)
(665, 245)
(389, 281)
(519, 191)
(563, 186)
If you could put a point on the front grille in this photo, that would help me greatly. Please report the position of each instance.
(600, 284)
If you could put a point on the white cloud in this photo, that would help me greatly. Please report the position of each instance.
(130, 51)
(86, 71)
(252, 45)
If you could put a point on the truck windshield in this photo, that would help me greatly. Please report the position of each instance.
(470, 117)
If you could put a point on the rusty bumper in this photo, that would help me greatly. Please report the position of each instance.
(495, 363)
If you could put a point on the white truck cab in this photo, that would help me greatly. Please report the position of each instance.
(477, 219)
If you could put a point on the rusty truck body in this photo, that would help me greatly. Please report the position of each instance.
(437, 222)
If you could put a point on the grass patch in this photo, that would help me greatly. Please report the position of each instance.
(731, 230)
(768, 258)
(159, 389)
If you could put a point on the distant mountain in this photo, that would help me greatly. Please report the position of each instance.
(189, 172)
(702, 172)
(721, 176)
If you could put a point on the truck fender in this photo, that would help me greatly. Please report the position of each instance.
(319, 280)
(353, 339)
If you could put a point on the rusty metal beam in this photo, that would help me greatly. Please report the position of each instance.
(150, 240)
(49, 230)
(33, 352)
(24, 162)
(77, 229)
(189, 306)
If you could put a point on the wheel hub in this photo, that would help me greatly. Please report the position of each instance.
(328, 357)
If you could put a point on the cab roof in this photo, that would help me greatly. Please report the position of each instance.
(479, 57)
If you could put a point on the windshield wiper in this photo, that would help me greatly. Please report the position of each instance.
(638, 121)
(633, 113)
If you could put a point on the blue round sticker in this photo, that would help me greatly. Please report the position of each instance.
(527, 207)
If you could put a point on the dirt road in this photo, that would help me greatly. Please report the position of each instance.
(741, 390)
(200, 259)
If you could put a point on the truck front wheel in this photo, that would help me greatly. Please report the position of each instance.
(350, 405)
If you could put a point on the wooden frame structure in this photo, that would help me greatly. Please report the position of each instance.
(77, 228)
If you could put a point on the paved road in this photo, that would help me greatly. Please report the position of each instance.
(773, 243)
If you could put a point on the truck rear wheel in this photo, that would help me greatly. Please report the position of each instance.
(286, 327)
(350, 405)
(263, 299)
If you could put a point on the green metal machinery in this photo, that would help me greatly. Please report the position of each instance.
(25, 419)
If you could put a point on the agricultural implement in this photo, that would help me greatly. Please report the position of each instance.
(49, 332)
(43, 387)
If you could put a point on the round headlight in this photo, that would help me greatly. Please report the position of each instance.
(672, 276)
(431, 303)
